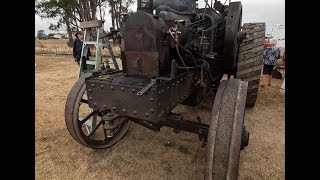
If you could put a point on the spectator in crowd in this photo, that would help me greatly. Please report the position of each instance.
(270, 56)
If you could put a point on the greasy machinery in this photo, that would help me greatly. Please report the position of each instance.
(175, 53)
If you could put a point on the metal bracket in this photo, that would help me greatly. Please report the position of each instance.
(147, 87)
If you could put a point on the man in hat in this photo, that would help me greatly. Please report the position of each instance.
(77, 47)
(270, 55)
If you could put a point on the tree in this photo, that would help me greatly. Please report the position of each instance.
(117, 8)
(50, 36)
(71, 12)
(41, 34)
(68, 12)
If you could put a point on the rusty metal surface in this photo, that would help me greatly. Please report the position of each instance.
(225, 131)
(172, 93)
(143, 39)
(142, 63)
(233, 26)
(119, 94)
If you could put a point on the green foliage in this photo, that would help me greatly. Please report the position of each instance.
(41, 34)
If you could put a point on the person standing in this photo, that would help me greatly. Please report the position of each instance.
(77, 47)
(270, 56)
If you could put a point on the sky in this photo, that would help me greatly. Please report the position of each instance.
(269, 11)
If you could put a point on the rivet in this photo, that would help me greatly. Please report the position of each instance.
(159, 104)
(181, 98)
(95, 104)
(104, 106)
(114, 108)
(177, 100)
(147, 115)
(152, 110)
(159, 92)
(181, 79)
(124, 110)
(151, 99)
(89, 90)
(122, 89)
(177, 82)
(133, 90)
(101, 86)
(168, 87)
(111, 87)
(90, 98)
(135, 112)
(92, 85)
(172, 84)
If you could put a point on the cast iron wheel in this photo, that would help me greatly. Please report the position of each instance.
(232, 27)
(250, 58)
(86, 126)
(225, 136)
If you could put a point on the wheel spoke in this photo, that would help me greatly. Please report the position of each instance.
(105, 134)
(86, 118)
(95, 129)
(84, 101)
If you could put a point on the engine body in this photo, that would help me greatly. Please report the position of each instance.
(170, 57)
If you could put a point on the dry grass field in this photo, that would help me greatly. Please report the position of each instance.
(143, 154)
(59, 46)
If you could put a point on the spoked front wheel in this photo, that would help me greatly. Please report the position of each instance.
(87, 126)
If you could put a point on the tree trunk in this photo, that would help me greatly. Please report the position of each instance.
(93, 7)
(112, 15)
(70, 39)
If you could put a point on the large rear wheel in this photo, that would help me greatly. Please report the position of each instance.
(250, 58)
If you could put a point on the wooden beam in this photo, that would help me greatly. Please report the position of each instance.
(90, 24)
